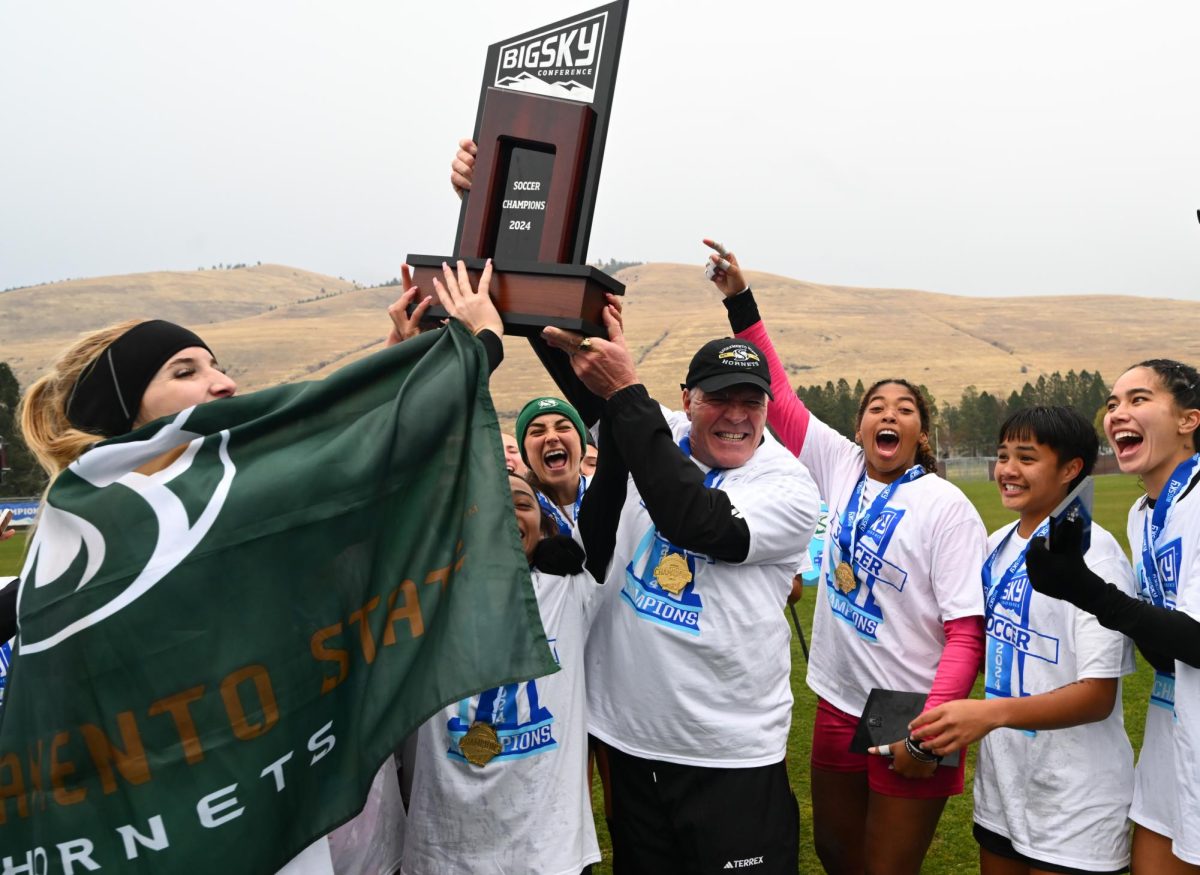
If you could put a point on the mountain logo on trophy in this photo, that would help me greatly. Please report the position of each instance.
(563, 61)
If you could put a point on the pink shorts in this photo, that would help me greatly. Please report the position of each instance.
(832, 731)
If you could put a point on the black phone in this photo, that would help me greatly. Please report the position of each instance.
(885, 720)
(1076, 509)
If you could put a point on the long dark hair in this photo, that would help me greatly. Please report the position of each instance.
(925, 455)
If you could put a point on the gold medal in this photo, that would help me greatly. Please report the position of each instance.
(480, 744)
(672, 573)
(844, 576)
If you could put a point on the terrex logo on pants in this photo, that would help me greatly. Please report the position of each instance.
(560, 62)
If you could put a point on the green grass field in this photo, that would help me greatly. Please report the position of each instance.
(953, 850)
(10, 555)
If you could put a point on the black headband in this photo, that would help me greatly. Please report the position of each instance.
(108, 394)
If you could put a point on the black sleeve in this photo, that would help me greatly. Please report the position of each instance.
(493, 347)
(559, 555)
(558, 366)
(1158, 660)
(602, 503)
(8, 611)
(742, 310)
(1161, 634)
(686, 512)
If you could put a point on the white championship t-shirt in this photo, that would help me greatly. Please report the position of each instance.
(1166, 798)
(1060, 796)
(700, 676)
(529, 809)
(917, 567)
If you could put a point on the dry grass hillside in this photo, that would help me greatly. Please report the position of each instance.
(270, 323)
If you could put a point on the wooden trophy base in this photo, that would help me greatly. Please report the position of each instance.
(529, 295)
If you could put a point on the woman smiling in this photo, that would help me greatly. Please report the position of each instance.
(551, 436)
(1151, 421)
(1043, 800)
(900, 608)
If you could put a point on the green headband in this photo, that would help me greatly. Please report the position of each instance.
(540, 407)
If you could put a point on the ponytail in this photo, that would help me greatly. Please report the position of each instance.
(925, 455)
(54, 442)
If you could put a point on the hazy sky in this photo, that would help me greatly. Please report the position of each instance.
(1001, 148)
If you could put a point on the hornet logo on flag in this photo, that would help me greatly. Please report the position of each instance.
(80, 547)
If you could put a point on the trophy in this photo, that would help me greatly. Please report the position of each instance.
(540, 129)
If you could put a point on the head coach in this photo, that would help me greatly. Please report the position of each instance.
(688, 660)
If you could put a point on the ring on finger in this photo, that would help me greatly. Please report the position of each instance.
(585, 344)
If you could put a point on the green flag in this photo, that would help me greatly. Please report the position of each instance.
(215, 659)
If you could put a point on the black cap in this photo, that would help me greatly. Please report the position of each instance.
(727, 362)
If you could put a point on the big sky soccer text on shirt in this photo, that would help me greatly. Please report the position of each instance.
(858, 607)
(1011, 640)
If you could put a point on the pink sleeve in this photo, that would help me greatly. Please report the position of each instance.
(786, 413)
(960, 661)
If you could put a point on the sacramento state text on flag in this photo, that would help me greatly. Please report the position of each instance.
(215, 659)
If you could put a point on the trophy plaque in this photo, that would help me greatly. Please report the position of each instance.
(540, 130)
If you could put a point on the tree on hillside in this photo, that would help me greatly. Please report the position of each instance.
(611, 266)
(834, 405)
(968, 428)
(24, 476)
(1098, 424)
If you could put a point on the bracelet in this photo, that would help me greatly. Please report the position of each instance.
(919, 753)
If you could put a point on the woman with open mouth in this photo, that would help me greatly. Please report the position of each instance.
(552, 437)
(1151, 421)
(500, 780)
(900, 609)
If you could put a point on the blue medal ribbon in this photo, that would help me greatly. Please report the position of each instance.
(993, 589)
(560, 520)
(1153, 525)
(856, 524)
(652, 540)
(714, 475)
(1163, 694)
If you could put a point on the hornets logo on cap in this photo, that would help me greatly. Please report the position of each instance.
(737, 354)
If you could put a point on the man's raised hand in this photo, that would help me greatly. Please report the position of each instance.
(604, 366)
